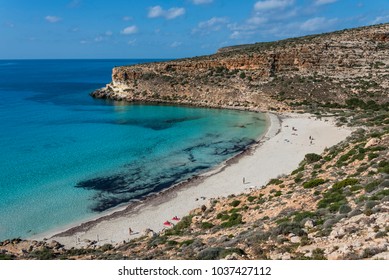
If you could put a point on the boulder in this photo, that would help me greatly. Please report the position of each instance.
(309, 224)
(372, 142)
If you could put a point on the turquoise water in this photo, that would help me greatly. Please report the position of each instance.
(66, 156)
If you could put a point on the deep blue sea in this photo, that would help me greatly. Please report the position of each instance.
(67, 157)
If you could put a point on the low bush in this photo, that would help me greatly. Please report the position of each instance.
(275, 181)
(289, 227)
(235, 203)
(313, 183)
(372, 186)
(233, 220)
(310, 158)
(206, 225)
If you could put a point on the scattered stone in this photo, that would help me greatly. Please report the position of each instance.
(372, 142)
(295, 239)
(309, 224)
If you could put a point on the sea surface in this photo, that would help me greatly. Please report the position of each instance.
(66, 157)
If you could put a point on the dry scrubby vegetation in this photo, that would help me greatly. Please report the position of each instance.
(333, 206)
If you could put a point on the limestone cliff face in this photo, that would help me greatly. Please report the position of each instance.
(330, 67)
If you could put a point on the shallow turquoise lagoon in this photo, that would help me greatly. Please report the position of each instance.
(67, 157)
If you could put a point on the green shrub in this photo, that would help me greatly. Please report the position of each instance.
(251, 198)
(372, 156)
(344, 209)
(43, 254)
(235, 203)
(180, 226)
(184, 223)
(310, 158)
(275, 182)
(106, 247)
(298, 178)
(334, 198)
(172, 243)
(299, 216)
(278, 193)
(318, 254)
(313, 183)
(206, 225)
(218, 253)
(233, 220)
(355, 188)
(345, 182)
(372, 186)
(209, 254)
(289, 227)
(383, 167)
(381, 234)
(4, 257)
(301, 168)
(225, 252)
(187, 242)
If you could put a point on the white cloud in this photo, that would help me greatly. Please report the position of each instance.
(235, 35)
(129, 30)
(199, 2)
(158, 11)
(257, 20)
(99, 38)
(131, 42)
(127, 18)
(176, 44)
(266, 5)
(74, 3)
(323, 2)
(74, 29)
(317, 23)
(381, 19)
(52, 19)
(213, 24)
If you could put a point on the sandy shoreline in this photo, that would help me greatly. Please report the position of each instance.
(279, 152)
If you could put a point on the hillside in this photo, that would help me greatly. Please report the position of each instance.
(333, 206)
(328, 68)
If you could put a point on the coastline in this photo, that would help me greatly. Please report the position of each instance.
(130, 207)
(279, 151)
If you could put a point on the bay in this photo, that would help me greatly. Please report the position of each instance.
(67, 157)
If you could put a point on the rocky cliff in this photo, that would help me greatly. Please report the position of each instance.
(330, 67)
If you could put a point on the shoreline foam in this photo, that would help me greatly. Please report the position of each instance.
(271, 156)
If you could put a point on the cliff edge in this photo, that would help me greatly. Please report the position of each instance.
(326, 68)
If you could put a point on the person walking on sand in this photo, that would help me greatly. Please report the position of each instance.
(244, 180)
(130, 231)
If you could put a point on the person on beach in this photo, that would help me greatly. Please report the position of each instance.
(244, 180)
(130, 231)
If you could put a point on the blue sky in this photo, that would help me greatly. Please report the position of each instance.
(167, 29)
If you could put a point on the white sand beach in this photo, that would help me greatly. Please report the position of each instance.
(280, 151)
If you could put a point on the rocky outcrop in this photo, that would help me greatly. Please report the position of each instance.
(323, 68)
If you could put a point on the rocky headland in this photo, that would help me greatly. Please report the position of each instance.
(328, 68)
